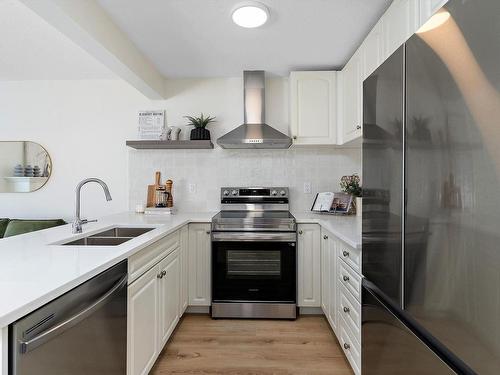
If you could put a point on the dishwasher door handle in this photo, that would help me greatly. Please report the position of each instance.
(28, 345)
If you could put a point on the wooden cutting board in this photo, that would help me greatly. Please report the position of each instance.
(151, 190)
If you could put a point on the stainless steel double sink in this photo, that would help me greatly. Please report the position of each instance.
(109, 237)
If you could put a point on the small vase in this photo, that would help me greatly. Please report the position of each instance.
(198, 134)
(359, 206)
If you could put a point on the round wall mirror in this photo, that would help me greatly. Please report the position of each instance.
(24, 166)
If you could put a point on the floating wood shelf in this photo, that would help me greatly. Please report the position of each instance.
(159, 145)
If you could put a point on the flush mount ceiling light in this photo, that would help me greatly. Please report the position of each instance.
(435, 21)
(250, 14)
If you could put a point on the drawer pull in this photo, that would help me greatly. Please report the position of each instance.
(160, 275)
(347, 346)
(346, 309)
(300, 232)
(325, 237)
(345, 253)
(345, 278)
(358, 127)
(208, 232)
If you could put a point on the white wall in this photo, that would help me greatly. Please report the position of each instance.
(84, 126)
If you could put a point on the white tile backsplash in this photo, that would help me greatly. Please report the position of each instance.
(209, 170)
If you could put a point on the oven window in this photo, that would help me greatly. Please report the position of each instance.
(248, 263)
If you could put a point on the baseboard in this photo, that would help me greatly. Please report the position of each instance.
(311, 311)
(198, 309)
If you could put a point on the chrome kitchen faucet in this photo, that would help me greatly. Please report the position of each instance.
(77, 223)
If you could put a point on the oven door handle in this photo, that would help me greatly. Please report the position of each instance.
(254, 237)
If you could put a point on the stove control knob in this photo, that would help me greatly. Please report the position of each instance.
(282, 193)
(234, 192)
(274, 192)
(225, 192)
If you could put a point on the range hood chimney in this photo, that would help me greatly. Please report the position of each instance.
(254, 133)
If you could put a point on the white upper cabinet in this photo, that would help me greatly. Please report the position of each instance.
(427, 8)
(350, 122)
(399, 23)
(373, 49)
(313, 107)
(309, 261)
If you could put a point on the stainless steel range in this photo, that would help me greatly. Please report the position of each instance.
(254, 255)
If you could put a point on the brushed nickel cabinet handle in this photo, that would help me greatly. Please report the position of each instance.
(208, 232)
(347, 346)
(345, 253)
(346, 278)
(358, 127)
(300, 232)
(294, 137)
(325, 237)
(346, 309)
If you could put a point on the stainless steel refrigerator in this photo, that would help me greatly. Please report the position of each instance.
(431, 206)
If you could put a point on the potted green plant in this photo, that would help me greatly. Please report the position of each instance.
(351, 185)
(200, 123)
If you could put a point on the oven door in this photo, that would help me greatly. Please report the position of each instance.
(254, 267)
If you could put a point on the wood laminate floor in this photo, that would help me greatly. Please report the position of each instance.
(201, 345)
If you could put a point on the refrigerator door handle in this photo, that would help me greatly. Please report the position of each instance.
(27, 346)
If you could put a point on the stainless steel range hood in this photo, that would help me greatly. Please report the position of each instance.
(254, 133)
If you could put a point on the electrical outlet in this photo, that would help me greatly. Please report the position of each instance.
(192, 188)
(307, 188)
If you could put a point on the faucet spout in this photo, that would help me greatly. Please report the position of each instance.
(78, 222)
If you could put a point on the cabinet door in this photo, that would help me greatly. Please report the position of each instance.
(169, 296)
(183, 257)
(334, 285)
(399, 24)
(351, 100)
(313, 104)
(199, 265)
(325, 275)
(142, 323)
(373, 50)
(427, 8)
(309, 274)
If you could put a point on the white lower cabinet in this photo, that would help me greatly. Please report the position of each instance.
(340, 294)
(184, 272)
(169, 295)
(199, 265)
(329, 294)
(309, 265)
(143, 323)
(154, 303)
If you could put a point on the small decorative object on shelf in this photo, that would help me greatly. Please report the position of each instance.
(200, 123)
(351, 185)
(151, 124)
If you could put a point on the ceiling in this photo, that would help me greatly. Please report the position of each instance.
(31, 49)
(196, 38)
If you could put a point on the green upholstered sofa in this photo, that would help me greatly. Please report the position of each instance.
(13, 227)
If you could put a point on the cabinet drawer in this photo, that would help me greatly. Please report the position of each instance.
(350, 346)
(350, 255)
(142, 261)
(350, 310)
(350, 280)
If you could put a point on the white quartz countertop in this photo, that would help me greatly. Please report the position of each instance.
(346, 228)
(34, 272)
(34, 269)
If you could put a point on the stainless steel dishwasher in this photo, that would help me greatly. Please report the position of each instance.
(82, 332)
